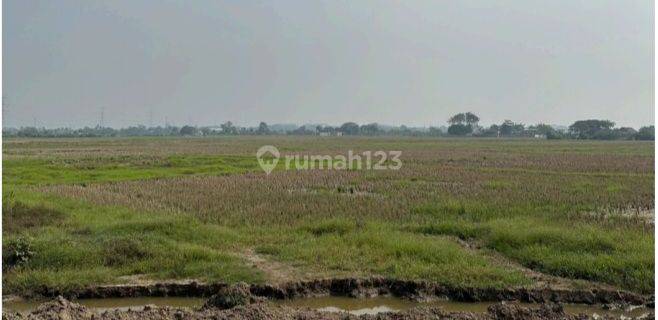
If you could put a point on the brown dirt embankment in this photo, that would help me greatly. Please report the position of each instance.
(369, 287)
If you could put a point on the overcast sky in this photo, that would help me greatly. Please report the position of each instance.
(393, 62)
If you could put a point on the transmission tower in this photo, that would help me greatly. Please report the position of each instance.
(5, 109)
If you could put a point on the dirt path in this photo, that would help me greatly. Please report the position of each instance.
(275, 272)
(541, 280)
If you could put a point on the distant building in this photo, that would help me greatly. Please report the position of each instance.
(330, 134)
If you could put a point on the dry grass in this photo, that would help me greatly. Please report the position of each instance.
(288, 196)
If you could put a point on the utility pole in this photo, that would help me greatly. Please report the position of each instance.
(102, 117)
(150, 117)
(5, 109)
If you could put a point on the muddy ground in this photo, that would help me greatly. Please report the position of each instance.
(366, 287)
(244, 301)
(61, 308)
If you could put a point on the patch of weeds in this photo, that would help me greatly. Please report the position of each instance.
(117, 252)
(336, 226)
(615, 188)
(497, 185)
(553, 237)
(16, 252)
(460, 229)
(345, 189)
(268, 249)
(230, 297)
(17, 217)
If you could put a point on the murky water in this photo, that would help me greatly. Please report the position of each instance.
(330, 303)
(392, 304)
(352, 305)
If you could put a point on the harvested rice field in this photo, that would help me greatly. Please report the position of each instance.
(476, 213)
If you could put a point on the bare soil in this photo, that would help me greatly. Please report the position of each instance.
(274, 271)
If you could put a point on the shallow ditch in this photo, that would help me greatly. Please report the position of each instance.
(357, 296)
(355, 306)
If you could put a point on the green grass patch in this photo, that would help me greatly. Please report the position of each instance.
(107, 169)
(331, 227)
(18, 217)
(576, 250)
(570, 249)
(104, 243)
(381, 249)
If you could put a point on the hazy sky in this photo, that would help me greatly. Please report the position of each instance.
(394, 62)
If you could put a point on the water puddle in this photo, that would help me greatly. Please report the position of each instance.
(329, 303)
(393, 304)
(352, 305)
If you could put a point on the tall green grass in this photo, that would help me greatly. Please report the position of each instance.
(100, 244)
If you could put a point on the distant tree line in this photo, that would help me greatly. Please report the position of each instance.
(466, 124)
(461, 124)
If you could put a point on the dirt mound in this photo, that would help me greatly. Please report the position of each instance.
(231, 296)
(59, 308)
(517, 312)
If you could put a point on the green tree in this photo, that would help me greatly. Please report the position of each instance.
(506, 128)
(511, 129)
(624, 133)
(188, 131)
(370, 129)
(591, 129)
(459, 129)
(459, 118)
(263, 128)
(646, 133)
(349, 128)
(228, 128)
(435, 132)
(471, 119)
